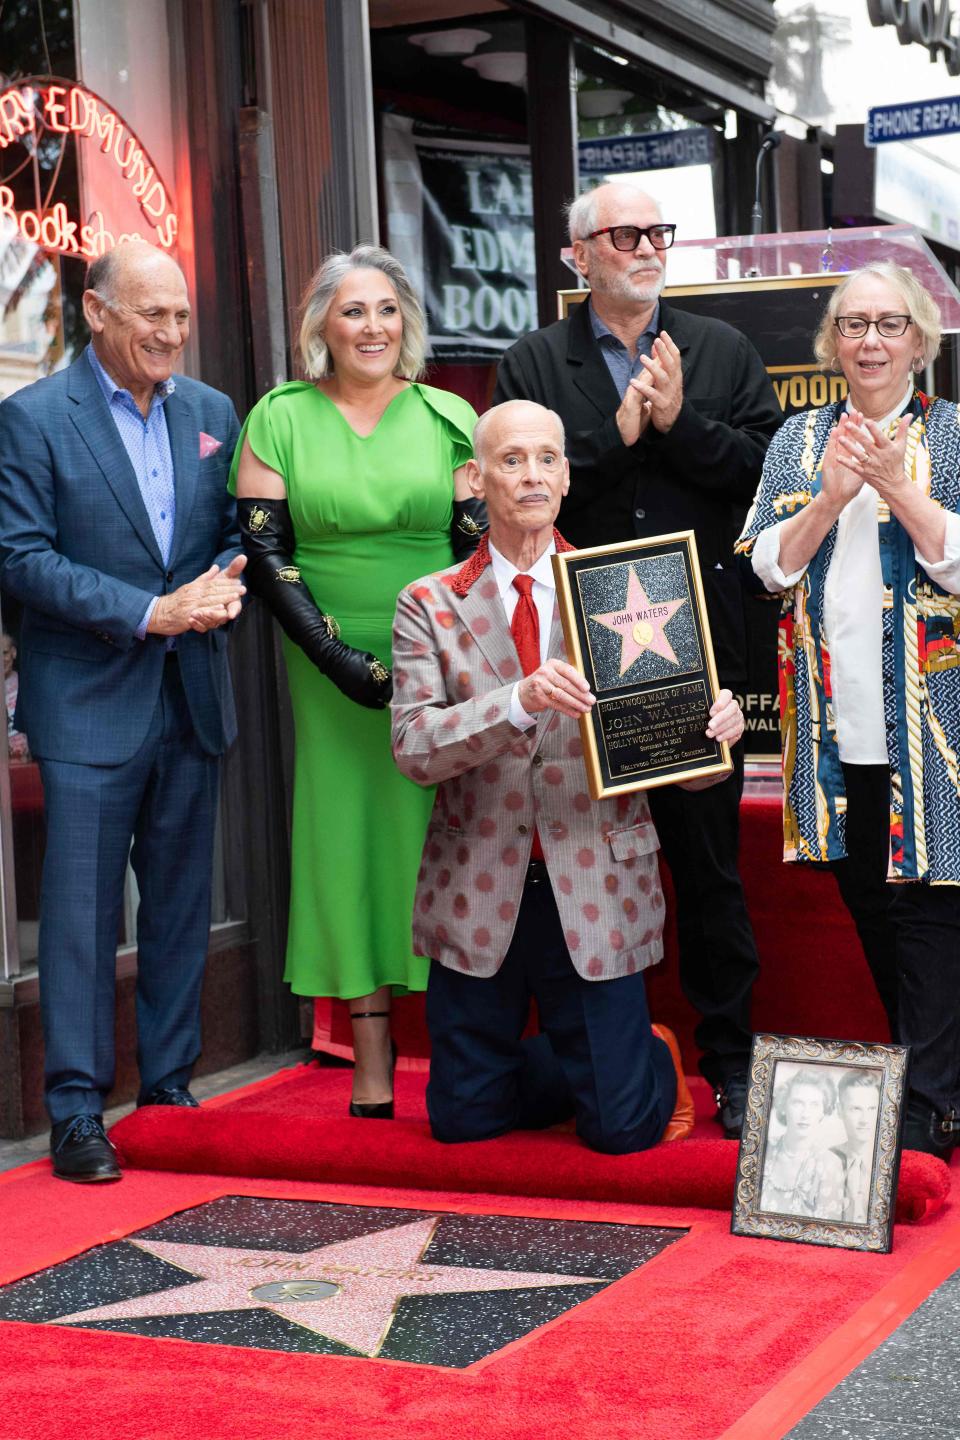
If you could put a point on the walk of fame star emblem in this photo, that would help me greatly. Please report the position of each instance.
(359, 1280)
(640, 624)
(336, 1279)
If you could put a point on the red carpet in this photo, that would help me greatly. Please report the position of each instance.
(813, 978)
(718, 1338)
(296, 1128)
(699, 1342)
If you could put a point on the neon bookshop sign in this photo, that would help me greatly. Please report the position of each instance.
(37, 109)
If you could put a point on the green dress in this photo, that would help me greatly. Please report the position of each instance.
(370, 513)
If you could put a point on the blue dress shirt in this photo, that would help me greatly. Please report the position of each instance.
(615, 353)
(147, 443)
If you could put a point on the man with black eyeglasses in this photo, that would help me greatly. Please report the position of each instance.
(668, 416)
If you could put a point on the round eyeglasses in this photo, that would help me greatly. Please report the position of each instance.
(628, 237)
(854, 327)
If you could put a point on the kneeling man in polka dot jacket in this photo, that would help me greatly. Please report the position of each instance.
(527, 887)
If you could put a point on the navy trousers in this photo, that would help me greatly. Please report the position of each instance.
(164, 800)
(596, 1058)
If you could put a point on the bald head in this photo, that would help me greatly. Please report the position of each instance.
(519, 469)
(496, 423)
(107, 274)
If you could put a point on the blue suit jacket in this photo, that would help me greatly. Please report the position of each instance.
(77, 548)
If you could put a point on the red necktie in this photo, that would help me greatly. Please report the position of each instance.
(525, 626)
(525, 629)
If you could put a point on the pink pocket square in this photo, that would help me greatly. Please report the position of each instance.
(208, 446)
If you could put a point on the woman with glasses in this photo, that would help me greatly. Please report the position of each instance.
(856, 523)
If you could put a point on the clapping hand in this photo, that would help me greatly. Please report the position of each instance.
(211, 616)
(210, 600)
(633, 416)
(871, 455)
(840, 482)
(661, 384)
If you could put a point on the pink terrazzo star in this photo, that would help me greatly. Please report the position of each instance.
(372, 1273)
(640, 624)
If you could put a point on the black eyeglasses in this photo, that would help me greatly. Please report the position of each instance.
(854, 327)
(628, 237)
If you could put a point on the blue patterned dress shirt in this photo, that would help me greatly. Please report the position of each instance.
(147, 443)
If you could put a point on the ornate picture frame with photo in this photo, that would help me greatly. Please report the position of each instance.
(820, 1149)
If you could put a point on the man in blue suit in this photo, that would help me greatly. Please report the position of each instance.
(118, 536)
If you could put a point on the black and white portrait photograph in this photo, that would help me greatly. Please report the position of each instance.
(821, 1141)
(820, 1148)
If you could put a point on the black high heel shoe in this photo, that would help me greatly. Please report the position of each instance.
(375, 1109)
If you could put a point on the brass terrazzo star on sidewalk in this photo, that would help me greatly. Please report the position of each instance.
(347, 1291)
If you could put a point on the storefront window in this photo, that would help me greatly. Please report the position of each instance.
(631, 126)
(457, 187)
(831, 66)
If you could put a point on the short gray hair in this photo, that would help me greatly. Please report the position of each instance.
(102, 275)
(485, 420)
(582, 215)
(924, 311)
(582, 212)
(318, 297)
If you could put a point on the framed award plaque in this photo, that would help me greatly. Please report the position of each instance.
(635, 625)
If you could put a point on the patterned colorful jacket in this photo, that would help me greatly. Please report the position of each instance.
(921, 658)
(455, 666)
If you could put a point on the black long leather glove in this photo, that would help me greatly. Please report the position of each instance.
(268, 543)
(467, 524)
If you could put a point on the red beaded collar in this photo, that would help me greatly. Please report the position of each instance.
(471, 570)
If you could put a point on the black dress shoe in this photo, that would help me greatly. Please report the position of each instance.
(926, 1129)
(80, 1150)
(170, 1095)
(732, 1104)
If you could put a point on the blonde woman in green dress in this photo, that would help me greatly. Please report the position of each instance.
(350, 485)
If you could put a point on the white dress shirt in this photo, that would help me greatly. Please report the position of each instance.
(853, 611)
(544, 594)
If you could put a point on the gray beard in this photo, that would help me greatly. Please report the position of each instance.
(639, 288)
